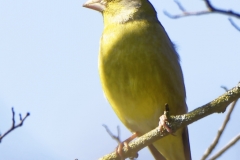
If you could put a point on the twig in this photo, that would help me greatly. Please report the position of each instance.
(180, 6)
(216, 106)
(117, 138)
(230, 144)
(211, 9)
(226, 12)
(234, 24)
(225, 88)
(13, 124)
(185, 14)
(220, 131)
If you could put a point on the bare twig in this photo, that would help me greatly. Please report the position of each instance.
(220, 131)
(13, 123)
(185, 14)
(117, 138)
(226, 12)
(225, 88)
(211, 9)
(230, 144)
(234, 24)
(216, 106)
(180, 6)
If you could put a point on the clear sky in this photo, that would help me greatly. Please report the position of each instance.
(48, 67)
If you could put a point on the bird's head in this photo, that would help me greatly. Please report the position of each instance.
(121, 10)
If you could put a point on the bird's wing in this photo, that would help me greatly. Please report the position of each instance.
(186, 144)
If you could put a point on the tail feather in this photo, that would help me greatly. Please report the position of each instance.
(186, 147)
(185, 138)
(156, 154)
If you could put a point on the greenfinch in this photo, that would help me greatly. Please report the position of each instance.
(140, 72)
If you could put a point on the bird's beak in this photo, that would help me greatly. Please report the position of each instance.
(98, 5)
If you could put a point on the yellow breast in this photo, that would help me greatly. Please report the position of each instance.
(140, 72)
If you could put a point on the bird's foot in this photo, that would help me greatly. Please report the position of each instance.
(163, 120)
(125, 144)
(163, 123)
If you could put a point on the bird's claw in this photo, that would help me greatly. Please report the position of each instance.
(163, 123)
(119, 149)
(163, 120)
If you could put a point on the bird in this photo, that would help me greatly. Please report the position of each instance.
(140, 72)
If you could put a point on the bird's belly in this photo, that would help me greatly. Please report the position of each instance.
(136, 92)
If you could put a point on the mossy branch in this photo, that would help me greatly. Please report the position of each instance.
(218, 105)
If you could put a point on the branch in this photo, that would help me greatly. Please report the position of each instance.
(211, 9)
(220, 131)
(230, 144)
(225, 12)
(13, 124)
(216, 106)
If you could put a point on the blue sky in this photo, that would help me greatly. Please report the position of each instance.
(48, 67)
